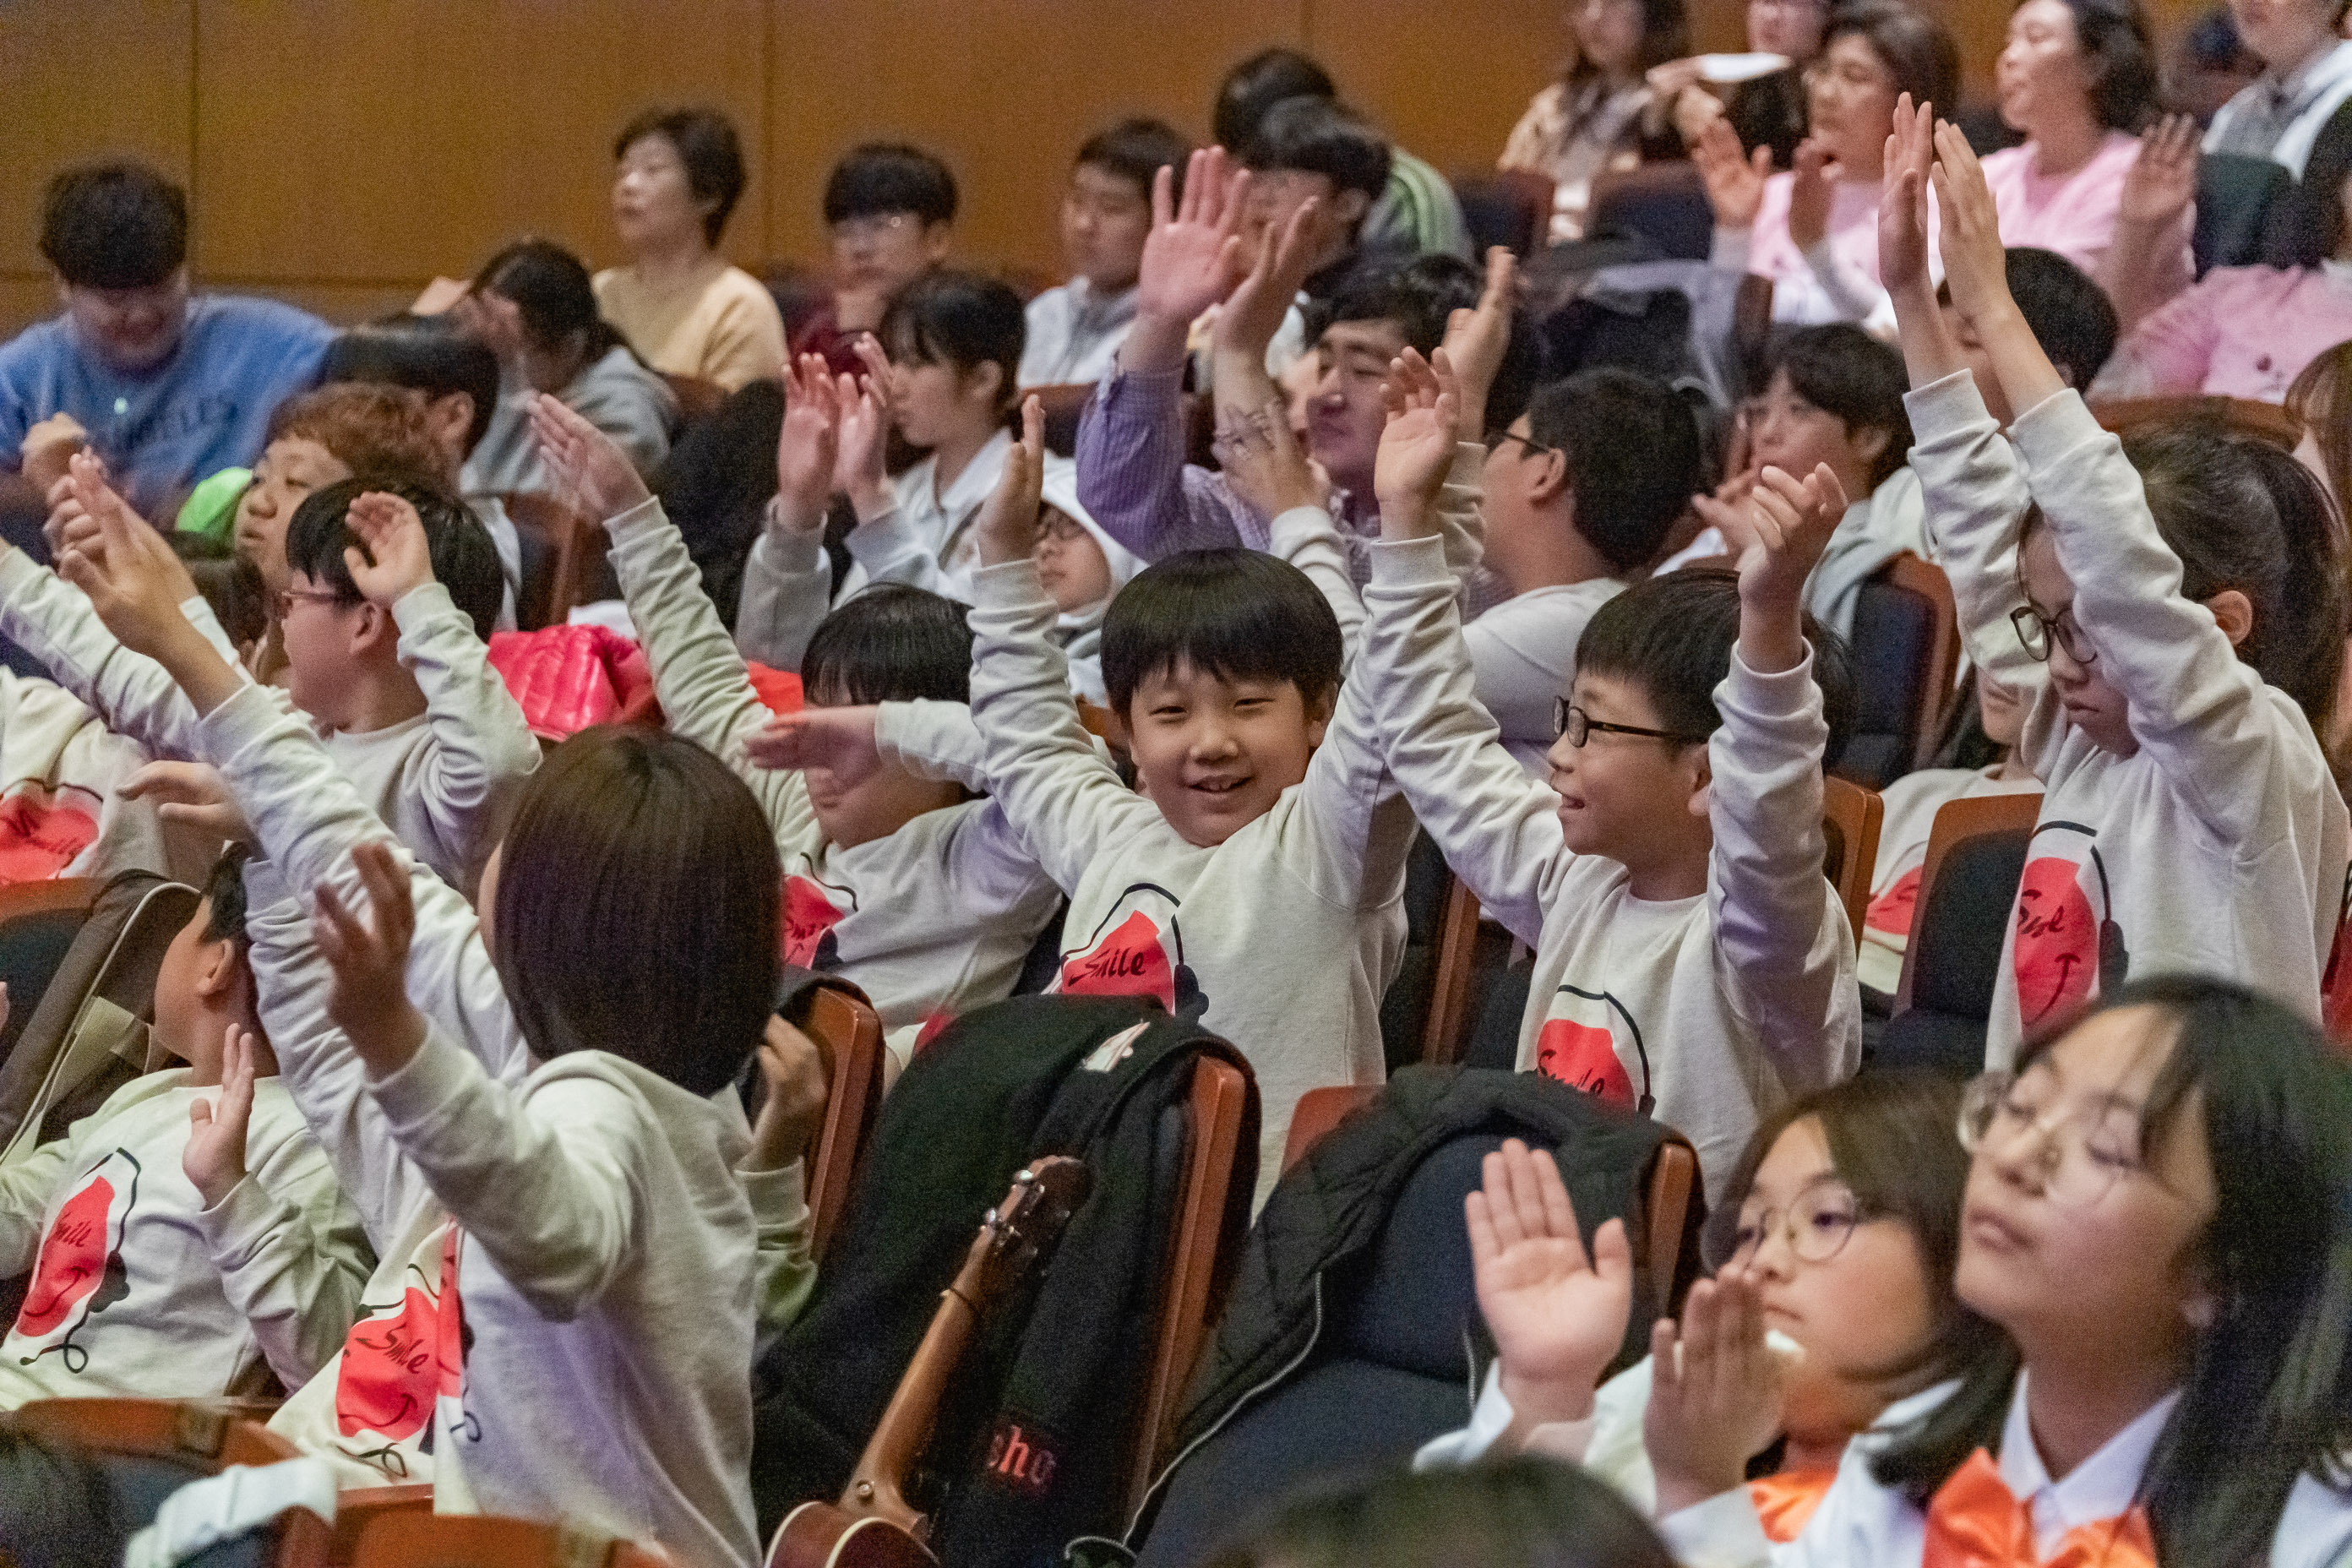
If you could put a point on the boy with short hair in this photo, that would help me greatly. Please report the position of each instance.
(188, 1239)
(890, 214)
(1311, 149)
(1691, 961)
(1075, 329)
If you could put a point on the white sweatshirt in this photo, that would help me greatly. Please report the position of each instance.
(139, 1288)
(1912, 802)
(929, 922)
(1523, 653)
(597, 1210)
(1706, 1012)
(444, 782)
(2220, 845)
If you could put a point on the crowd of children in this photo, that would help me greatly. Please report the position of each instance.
(443, 1142)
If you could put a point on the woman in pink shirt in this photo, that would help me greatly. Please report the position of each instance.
(2247, 332)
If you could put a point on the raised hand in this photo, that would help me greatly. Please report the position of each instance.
(132, 580)
(1733, 178)
(1776, 535)
(861, 470)
(1903, 201)
(48, 446)
(1715, 1393)
(1808, 195)
(1476, 339)
(1557, 1317)
(793, 1110)
(195, 794)
(1191, 259)
(392, 559)
(1254, 312)
(369, 958)
(1007, 530)
(214, 1156)
(1975, 266)
(808, 446)
(1260, 457)
(1417, 444)
(594, 476)
(2162, 181)
(838, 740)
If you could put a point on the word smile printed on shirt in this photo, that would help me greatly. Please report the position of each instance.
(812, 909)
(79, 1272)
(1136, 949)
(400, 1358)
(2066, 947)
(1578, 1047)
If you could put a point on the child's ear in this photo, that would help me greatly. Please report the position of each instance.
(1869, 443)
(1699, 770)
(217, 969)
(2235, 613)
(374, 626)
(1550, 480)
(1318, 716)
(935, 241)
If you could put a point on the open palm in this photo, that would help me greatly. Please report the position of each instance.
(1193, 253)
(1558, 1316)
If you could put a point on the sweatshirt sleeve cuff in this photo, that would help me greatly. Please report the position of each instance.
(1293, 528)
(422, 604)
(780, 1197)
(1944, 404)
(1783, 692)
(1731, 248)
(643, 518)
(17, 569)
(1009, 585)
(421, 1089)
(2053, 428)
(242, 1220)
(781, 552)
(1410, 563)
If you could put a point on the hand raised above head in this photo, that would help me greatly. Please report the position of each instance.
(591, 475)
(1193, 255)
(838, 740)
(1902, 199)
(131, 577)
(1734, 179)
(808, 443)
(1975, 264)
(1007, 529)
(368, 959)
(392, 557)
(1418, 443)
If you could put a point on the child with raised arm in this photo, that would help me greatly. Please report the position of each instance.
(2171, 613)
(926, 898)
(1691, 962)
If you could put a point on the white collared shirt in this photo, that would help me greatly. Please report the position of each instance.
(1075, 334)
(928, 539)
(2279, 119)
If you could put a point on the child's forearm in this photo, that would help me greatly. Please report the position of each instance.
(1771, 636)
(1928, 352)
(197, 669)
(2027, 377)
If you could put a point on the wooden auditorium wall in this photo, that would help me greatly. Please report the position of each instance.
(338, 155)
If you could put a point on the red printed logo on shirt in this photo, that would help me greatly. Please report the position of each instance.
(79, 1271)
(810, 915)
(1136, 949)
(41, 835)
(1578, 1047)
(1892, 910)
(2066, 947)
(402, 1356)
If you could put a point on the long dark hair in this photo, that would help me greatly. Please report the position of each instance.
(2268, 1397)
(1665, 35)
(1916, 50)
(551, 294)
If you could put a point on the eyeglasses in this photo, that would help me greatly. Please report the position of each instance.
(1534, 449)
(287, 598)
(2078, 1165)
(2038, 631)
(873, 227)
(1816, 1227)
(1573, 724)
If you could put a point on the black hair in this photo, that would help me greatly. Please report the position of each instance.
(58, 1506)
(1633, 457)
(553, 295)
(706, 144)
(1239, 614)
(892, 642)
(1317, 136)
(637, 909)
(2268, 1396)
(427, 353)
(1267, 78)
(1840, 369)
(1673, 637)
(1665, 35)
(1138, 150)
(1420, 297)
(2211, 42)
(224, 895)
(229, 584)
(2112, 36)
(464, 559)
(960, 320)
(884, 177)
(1916, 49)
(114, 225)
(2315, 222)
(2070, 315)
(1520, 1513)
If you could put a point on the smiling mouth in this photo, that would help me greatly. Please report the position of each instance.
(1216, 786)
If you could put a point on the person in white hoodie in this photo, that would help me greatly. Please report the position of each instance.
(186, 1239)
(605, 1251)
(2172, 614)
(1081, 568)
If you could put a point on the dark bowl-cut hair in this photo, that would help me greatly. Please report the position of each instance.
(465, 561)
(2112, 36)
(2070, 315)
(890, 643)
(960, 320)
(1317, 136)
(706, 144)
(428, 353)
(1252, 87)
(636, 908)
(1239, 614)
(1840, 369)
(1137, 149)
(1634, 455)
(1918, 50)
(1671, 637)
(553, 294)
(114, 225)
(224, 895)
(1420, 297)
(884, 177)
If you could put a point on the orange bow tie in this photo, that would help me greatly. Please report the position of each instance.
(1785, 1502)
(1975, 1522)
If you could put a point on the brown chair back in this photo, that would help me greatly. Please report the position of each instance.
(576, 545)
(1851, 816)
(1457, 962)
(848, 1035)
(695, 396)
(2239, 415)
(358, 1508)
(406, 1540)
(1941, 662)
(1956, 822)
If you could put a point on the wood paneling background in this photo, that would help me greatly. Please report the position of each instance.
(339, 154)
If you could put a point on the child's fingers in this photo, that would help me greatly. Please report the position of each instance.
(338, 936)
(1033, 428)
(1527, 1197)
(1484, 1246)
(1558, 1208)
(1502, 1205)
(1612, 1251)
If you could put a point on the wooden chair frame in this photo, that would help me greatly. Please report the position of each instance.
(578, 542)
(407, 1540)
(1856, 815)
(1442, 1037)
(848, 1035)
(1913, 575)
(2241, 416)
(1956, 822)
(358, 1508)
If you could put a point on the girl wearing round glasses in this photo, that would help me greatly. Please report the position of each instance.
(1844, 1211)
(2158, 1215)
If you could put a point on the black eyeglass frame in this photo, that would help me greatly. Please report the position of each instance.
(1566, 715)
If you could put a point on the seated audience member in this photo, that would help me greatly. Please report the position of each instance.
(1691, 961)
(186, 1239)
(1082, 569)
(2171, 616)
(1765, 111)
(2246, 331)
(890, 214)
(2068, 314)
(168, 389)
(1844, 1217)
(533, 304)
(1516, 1513)
(676, 301)
(2077, 80)
(1590, 122)
(2306, 77)
(921, 895)
(2168, 1383)
(2209, 66)
(1075, 329)
(1417, 213)
(1309, 149)
(1815, 230)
